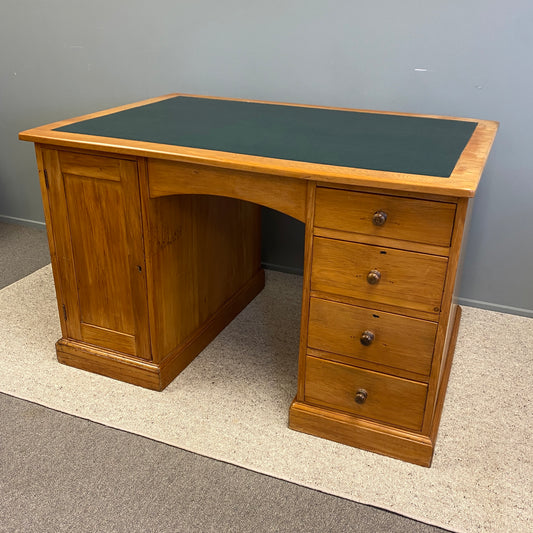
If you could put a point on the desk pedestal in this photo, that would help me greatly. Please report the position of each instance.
(143, 284)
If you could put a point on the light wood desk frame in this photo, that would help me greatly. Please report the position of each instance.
(155, 248)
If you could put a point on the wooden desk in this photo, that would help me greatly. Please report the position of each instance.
(152, 212)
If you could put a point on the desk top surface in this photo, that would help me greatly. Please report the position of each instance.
(394, 143)
(315, 140)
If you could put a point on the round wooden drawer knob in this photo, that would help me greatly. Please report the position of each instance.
(367, 338)
(379, 218)
(373, 277)
(361, 396)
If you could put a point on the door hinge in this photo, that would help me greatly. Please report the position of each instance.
(46, 178)
(64, 311)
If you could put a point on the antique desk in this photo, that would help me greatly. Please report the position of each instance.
(152, 212)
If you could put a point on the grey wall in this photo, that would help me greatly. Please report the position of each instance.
(62, 58)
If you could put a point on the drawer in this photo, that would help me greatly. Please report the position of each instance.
(408, 219)
(389, 399)
(384, 338)
(407, 279)
(92, 166)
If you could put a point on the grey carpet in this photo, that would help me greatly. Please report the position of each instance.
(23, 250)
(62, 473)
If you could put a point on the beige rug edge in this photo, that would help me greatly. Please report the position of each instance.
(42, 323)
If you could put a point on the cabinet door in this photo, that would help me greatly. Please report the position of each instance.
(95, 214)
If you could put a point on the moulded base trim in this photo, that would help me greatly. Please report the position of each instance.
(364, 434)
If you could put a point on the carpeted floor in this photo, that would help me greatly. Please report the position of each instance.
(64, 474)
(97, 477)
(23, 250)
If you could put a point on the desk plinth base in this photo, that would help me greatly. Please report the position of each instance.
(149, 374)
(379, 438)
(364, 434)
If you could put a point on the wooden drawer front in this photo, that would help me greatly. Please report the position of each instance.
(389, 399)
(407, 219)
(398, 341)
(408, 279)
(92, 166)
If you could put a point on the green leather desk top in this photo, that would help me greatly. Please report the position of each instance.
(405, 144)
